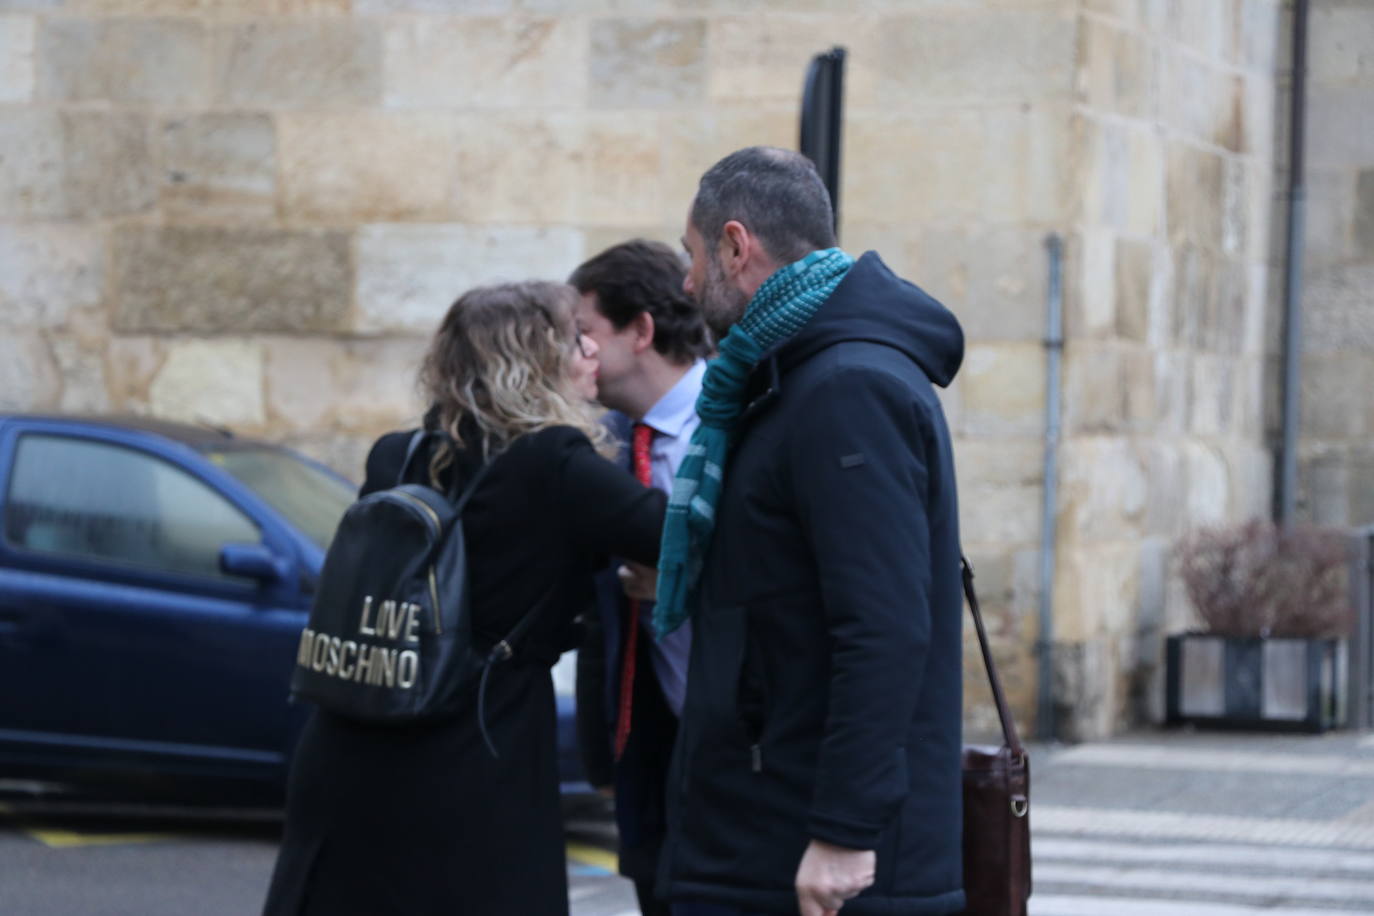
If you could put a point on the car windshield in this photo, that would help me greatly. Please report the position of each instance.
(311, 498)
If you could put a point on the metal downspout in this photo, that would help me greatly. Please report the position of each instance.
(1286, 482)
(1054, 348)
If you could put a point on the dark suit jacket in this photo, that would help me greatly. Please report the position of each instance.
(642, 771)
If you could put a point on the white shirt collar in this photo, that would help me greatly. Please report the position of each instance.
(676, 409)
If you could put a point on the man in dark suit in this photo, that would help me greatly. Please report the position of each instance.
(652, 345)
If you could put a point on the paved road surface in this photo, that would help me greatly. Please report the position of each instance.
(1154, 825)
(92, 859)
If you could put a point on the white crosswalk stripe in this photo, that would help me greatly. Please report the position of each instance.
(1234, 857)
(1176, 882)
(1088, 871)
(1060, 819)
(1056, 905)
(1214, 761)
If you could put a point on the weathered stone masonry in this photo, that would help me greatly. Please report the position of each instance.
(252, 213)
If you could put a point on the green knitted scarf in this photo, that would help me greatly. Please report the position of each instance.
(782, 306)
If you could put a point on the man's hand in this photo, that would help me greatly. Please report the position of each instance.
(830, 875)
(639, 582)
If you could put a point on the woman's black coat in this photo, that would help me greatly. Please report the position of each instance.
(423, 820)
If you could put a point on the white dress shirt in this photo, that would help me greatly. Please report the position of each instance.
(673, 419)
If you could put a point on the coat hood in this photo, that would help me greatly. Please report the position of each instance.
(874, 304)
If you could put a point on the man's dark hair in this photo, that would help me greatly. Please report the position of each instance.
(777, 195)
(643, 276)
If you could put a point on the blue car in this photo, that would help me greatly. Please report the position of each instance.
(154, 580)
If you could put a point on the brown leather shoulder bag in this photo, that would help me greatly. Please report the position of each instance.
(997, 862)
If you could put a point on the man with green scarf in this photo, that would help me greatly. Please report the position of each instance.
(812, 539)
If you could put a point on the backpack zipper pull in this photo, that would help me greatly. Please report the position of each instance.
(756, 758)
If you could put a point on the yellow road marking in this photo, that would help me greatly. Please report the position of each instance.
(590, 855)
(70, 839)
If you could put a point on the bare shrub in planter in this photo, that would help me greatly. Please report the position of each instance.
(1259, 580)
(1276, 613)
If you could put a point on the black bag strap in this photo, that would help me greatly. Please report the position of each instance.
(414, 446)
(461, 502)
(458, 497)
(1009, 735)
(504, 650)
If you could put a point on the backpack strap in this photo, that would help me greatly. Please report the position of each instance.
(504, 650)
(418, 437)
(459, 498)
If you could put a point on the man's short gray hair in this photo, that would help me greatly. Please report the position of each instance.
(777, 195)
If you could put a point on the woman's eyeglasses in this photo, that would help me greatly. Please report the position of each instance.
(582, 346)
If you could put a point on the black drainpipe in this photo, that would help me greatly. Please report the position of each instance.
(1286, 474)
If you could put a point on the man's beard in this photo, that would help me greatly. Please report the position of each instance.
(721, 304)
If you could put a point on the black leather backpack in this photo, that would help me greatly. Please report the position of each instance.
(390, 636)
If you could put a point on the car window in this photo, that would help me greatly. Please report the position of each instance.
(106, 502)
(311, 499)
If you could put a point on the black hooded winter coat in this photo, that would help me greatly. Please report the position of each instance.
(824, 691)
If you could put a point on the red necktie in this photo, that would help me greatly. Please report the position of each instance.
(639, 444)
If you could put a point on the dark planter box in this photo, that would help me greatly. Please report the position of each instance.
(1255, 683)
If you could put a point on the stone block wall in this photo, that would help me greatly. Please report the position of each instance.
(957, 168)
(1164, 362)
(1336, 452)
(253, 212)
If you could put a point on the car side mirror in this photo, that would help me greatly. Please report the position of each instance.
(253, 561)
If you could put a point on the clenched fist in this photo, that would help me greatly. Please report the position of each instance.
(830, 875)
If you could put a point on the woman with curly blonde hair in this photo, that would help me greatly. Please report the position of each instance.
(424, 819)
